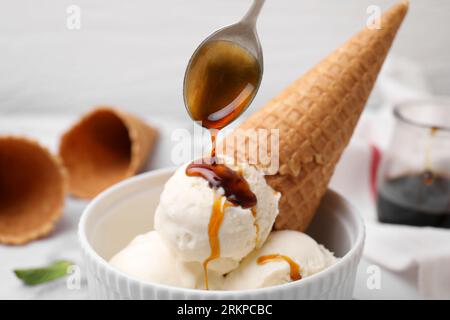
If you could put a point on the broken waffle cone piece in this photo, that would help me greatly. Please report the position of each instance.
(32, 190)
(316, 116)
(106, 146)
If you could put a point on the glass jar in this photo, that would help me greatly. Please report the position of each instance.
(414, 176)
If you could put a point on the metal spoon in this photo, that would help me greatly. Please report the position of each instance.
(243, 34)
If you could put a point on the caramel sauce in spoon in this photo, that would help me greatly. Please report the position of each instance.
(221, 81)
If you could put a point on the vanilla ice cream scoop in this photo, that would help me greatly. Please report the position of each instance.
(285, 255)
(185, 210)
(148, 258)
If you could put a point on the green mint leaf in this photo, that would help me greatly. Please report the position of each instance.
(35, 276)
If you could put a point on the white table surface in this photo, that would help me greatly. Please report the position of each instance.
(62, 243)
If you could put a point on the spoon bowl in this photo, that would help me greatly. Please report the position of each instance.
(225, 72)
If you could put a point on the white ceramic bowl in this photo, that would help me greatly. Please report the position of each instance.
(125, 210)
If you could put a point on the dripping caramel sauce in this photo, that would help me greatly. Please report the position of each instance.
(434, 130)
(237, 192)
(235, 187)
(221, 81)
(255, 213)
(294, 267)
(217, 214)
(428, 174)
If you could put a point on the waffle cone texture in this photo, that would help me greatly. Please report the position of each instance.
(32, 190)
(104, 147)
(316, 116)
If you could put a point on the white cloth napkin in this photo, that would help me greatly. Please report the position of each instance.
(399, 248)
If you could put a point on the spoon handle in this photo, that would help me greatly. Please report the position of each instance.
(252, 14)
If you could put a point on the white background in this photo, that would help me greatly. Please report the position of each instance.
(133, 53)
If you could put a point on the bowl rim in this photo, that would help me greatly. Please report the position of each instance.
(88, 249)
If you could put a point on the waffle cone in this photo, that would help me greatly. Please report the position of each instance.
(32, 190)
(106, 146)
(316, 116)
